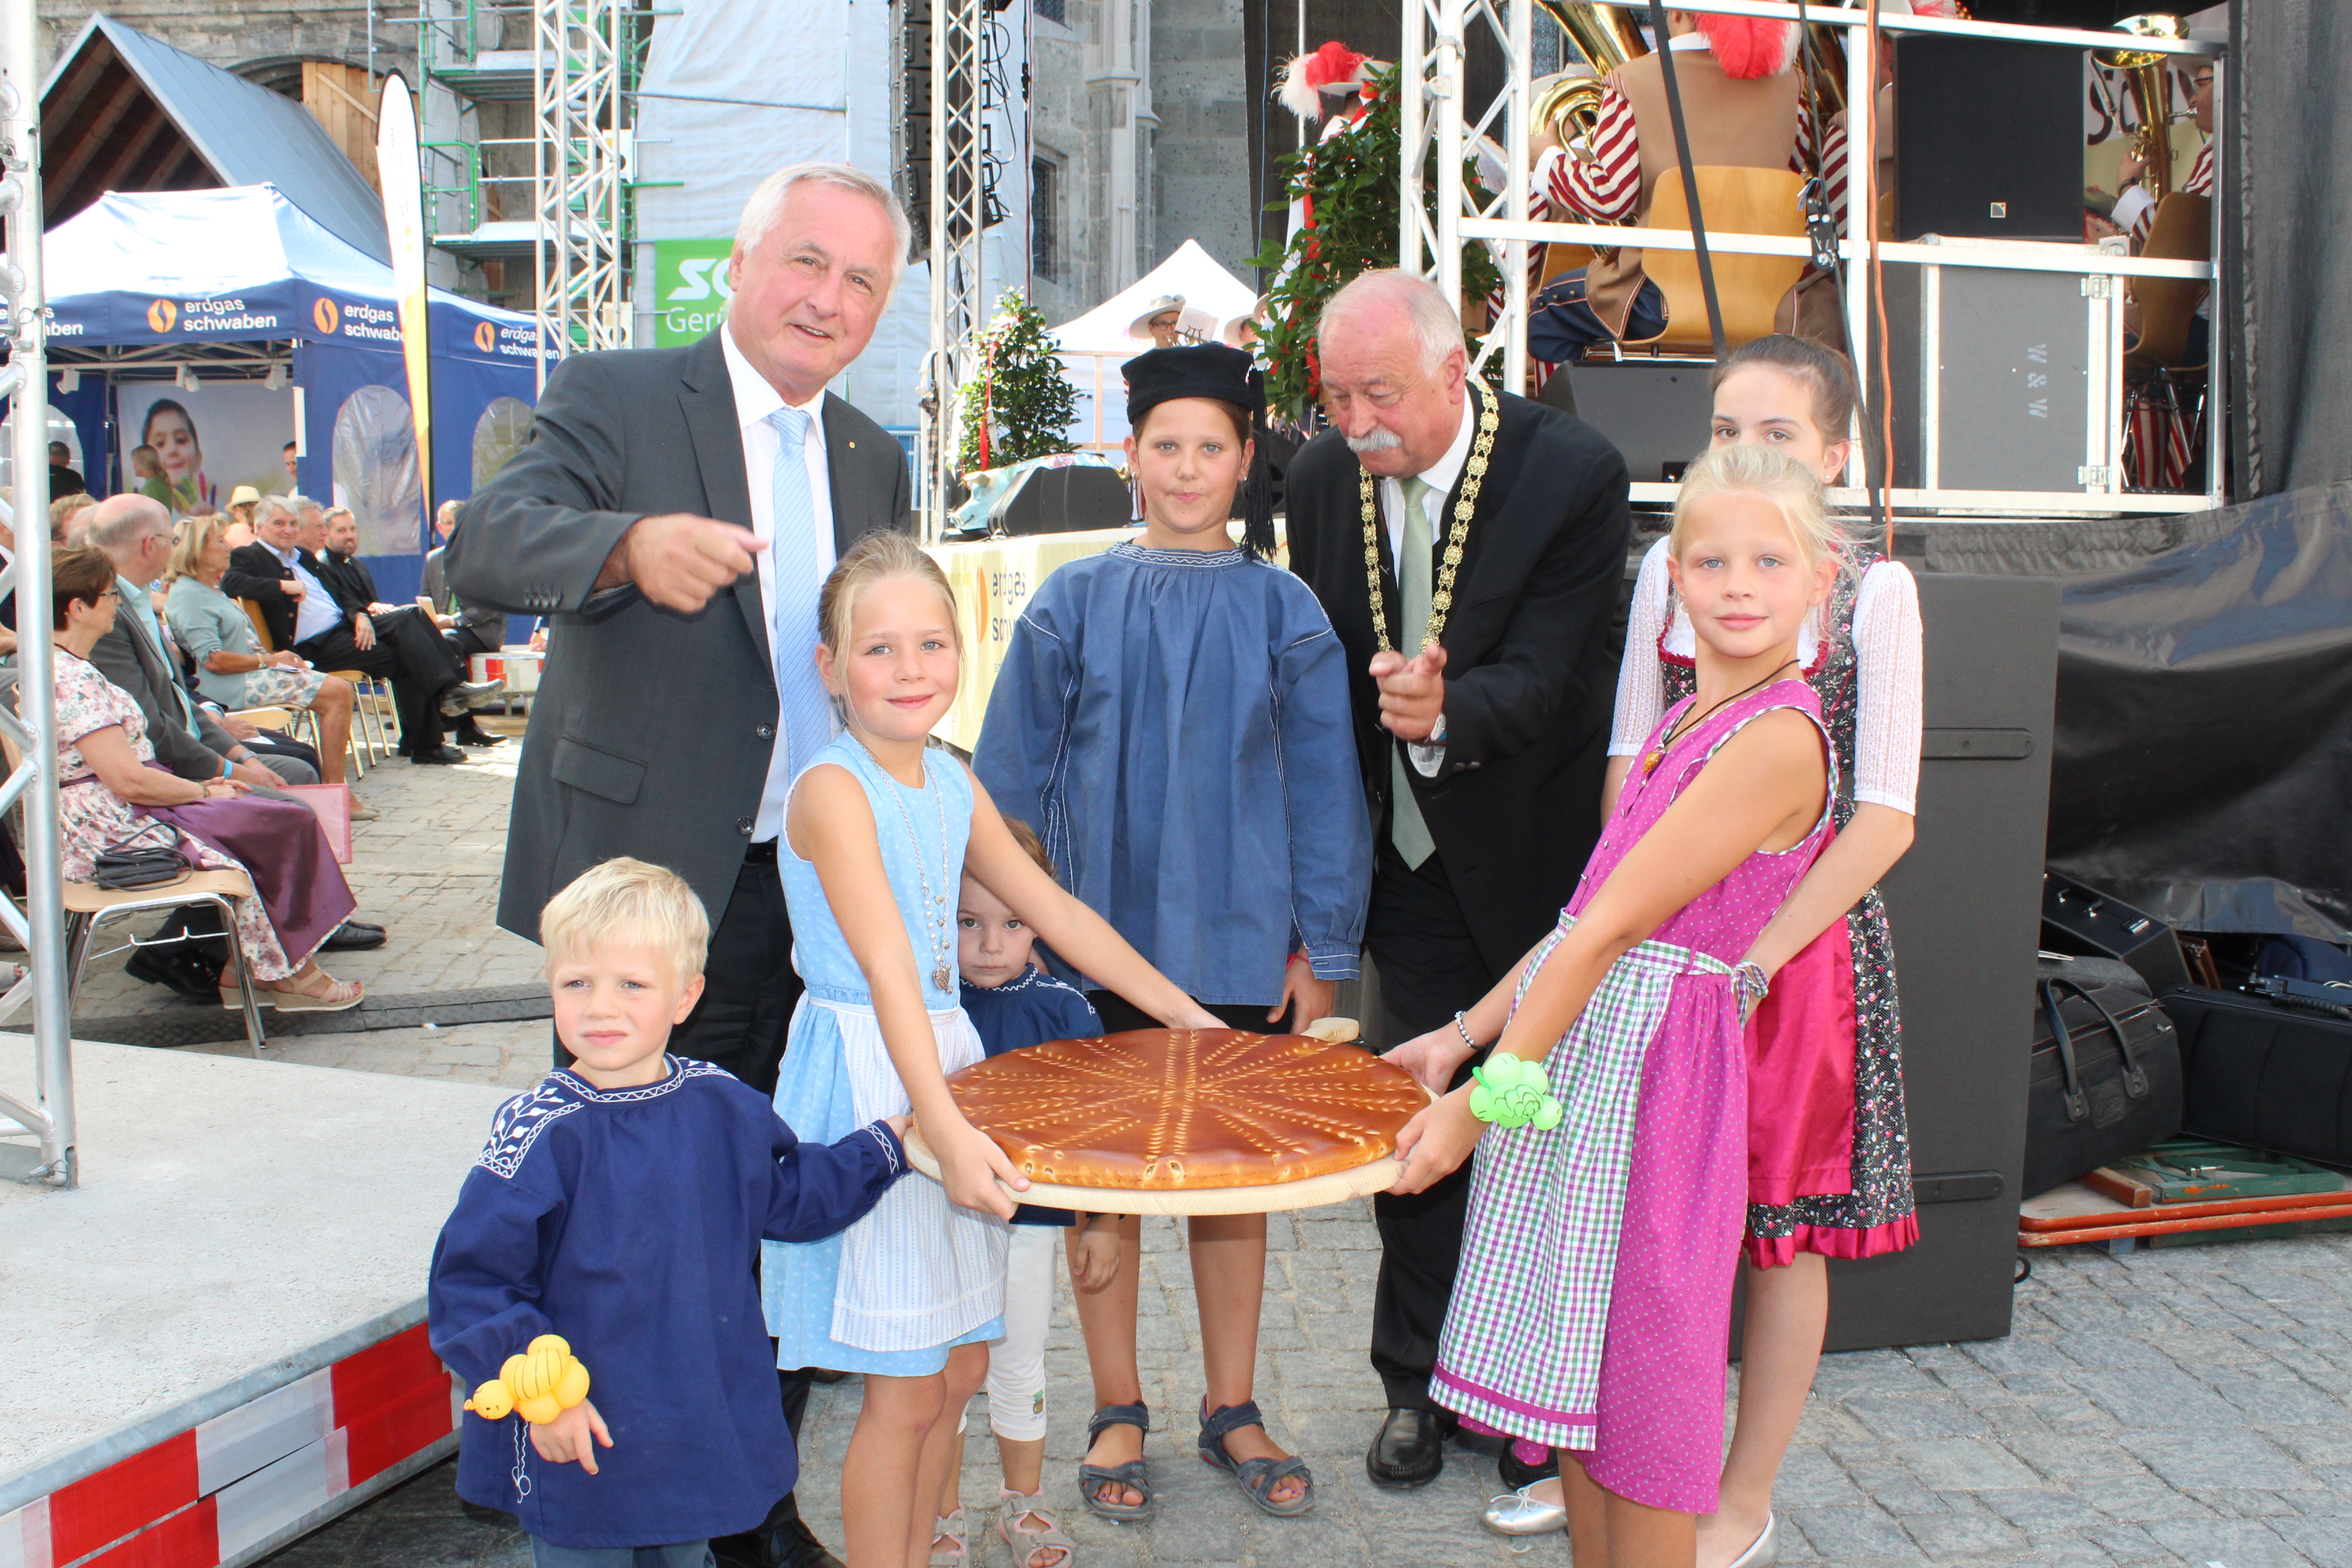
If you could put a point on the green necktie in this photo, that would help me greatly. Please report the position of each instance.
(1406, 829)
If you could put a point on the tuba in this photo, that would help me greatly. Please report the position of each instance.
(2149, 73)
(1568, 106)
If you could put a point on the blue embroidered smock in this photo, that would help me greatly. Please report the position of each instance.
(1174, 723)
(628, 1220)
(1028, 1010)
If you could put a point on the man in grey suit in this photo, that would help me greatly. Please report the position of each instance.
(674, 514)
(136, 533)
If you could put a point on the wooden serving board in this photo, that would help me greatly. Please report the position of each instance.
(1314, 1192)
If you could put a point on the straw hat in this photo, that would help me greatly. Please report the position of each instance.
(1142, 326)
(243, 494)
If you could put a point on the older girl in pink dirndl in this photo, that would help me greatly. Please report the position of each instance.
(1594, 1291)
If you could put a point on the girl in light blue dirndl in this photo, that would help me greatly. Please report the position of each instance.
(880, 830)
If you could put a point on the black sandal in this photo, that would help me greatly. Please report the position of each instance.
(1128, 1475)
(1258, 1477)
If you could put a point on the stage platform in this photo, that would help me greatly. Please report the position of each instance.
(217, 1342)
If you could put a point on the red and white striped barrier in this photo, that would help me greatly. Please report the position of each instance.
(210, 1496)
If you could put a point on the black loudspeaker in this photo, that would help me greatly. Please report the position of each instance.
(1653, 411)
(1988, 138)
(1965, 909)
(2087, 923)
(1063, 500)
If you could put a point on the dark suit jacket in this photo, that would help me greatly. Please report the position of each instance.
(255, 572)
(652, 730)
(349, 577)
(491, 624)
(1531, 661)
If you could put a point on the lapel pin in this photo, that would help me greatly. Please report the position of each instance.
(852, 446)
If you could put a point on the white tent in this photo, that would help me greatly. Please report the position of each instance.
(1095, 346)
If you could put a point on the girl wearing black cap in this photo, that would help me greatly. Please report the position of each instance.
(1173, 716)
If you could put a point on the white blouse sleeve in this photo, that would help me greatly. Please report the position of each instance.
(1890, 703)
(1641, 679)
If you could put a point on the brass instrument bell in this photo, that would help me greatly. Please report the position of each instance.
(2147, 73)
(1568, 106)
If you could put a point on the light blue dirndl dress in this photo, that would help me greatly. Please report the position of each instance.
(916, 1275)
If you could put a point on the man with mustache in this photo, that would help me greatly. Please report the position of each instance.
(1438, 508)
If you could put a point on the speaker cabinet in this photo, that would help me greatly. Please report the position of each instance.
(1988, 138)
(1653, 411)
(1965, 906)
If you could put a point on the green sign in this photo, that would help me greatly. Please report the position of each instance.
(690, 292)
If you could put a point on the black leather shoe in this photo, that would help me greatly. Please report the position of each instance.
(438, 754)
(1408, 1451)
(186, 975)
(475, 735)
(353, 937)
(784, 1541)
(1516, 1473)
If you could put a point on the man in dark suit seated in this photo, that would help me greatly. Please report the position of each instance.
(304, 612)
(1484, 754)
(674, 515)
(355, 583)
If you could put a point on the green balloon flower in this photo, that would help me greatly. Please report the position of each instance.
(1511, 1092)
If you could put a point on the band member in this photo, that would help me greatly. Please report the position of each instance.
(2135, 211)
(1742, 105)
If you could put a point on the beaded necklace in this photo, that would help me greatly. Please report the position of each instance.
(1473, 477)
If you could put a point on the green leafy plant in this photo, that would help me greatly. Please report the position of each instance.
(1351, 186)
(1019, 402)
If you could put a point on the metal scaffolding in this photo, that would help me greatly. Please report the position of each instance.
(1439, 127)
(581, 58)
(40, 924)
(959, 199)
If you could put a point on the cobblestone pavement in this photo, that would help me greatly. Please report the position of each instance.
(2187, 1407)
(427, 871)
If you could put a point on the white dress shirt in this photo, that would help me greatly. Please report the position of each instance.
(755, 399)
(317, 612)
(1439, 477)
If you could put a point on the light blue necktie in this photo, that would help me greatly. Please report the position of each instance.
(1407, 831)
(793, 635)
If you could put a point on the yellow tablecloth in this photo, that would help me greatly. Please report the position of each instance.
(994, 579)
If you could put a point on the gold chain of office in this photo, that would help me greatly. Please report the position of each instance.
(1441, 598)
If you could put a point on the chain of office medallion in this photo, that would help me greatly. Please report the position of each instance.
(1473, 477)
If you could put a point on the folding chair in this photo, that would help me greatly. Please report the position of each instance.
(1747, 289)
(367, 724)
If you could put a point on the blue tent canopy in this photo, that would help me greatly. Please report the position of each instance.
(192, 267)
(243, 278)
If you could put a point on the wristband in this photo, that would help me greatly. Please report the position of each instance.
(1463, 1030)
(227, 767)
(1511, 1091)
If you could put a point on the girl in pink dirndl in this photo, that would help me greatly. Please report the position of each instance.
(1829, 1150)
(1594, 1291)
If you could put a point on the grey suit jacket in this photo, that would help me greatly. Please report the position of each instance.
(129, 658)
(652, 730)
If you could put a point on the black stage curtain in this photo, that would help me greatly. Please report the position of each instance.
(2204, 721)
(2283, 174)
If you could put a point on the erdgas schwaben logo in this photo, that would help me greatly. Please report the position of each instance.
(162, 314)
(486, 337)
(324, 312)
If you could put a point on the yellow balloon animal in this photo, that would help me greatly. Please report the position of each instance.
(542, 1383)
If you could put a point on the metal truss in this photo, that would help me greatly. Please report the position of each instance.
(33, 782)
(959, 198)
(1435, 120)
(580, 55)
(1441, 133)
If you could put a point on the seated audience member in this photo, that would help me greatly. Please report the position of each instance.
(286, 454)
(302, 612)
(337, 535)
(65, 516)
(110, 798)
(241, 502)
(63, 479)
(467, 631)
(134, 531)
(231, 669)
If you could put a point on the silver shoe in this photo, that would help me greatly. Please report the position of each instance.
(1517, 1513)
(1765, 1549)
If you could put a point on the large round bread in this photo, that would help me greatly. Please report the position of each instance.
(1182, 1111)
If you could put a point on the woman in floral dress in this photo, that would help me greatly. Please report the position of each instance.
(111, 795)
